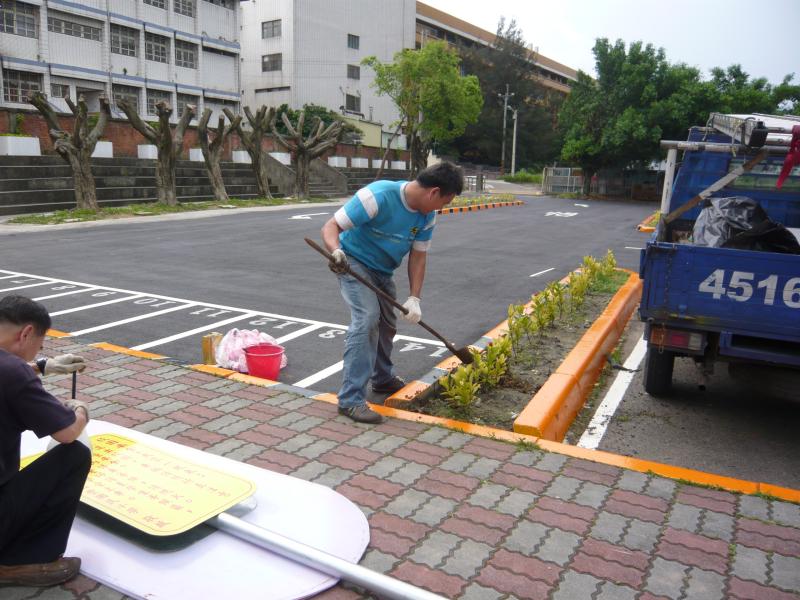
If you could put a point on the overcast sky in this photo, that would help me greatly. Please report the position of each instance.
(759, 35)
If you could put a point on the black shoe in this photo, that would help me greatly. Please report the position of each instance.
(395, 384)
(361, 414)
(40, 575)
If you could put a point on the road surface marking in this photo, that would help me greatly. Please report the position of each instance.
(130, 320)
(30, 285)
(298, 333)
(307, 216)
(633, 248)
(89, 289)
(582, 205)
(543, 272)
(602, 417)
(191, 332)
(320, 375)
(95, 305)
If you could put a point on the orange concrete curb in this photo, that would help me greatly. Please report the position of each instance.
(55, 333)
(459, 209)
(552, 409)
(128, 351)
(644, 227)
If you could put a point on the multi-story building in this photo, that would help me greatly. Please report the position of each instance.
(310, 52)
(180, 51)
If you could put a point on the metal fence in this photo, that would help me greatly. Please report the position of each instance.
(473, 183)
(560, 180)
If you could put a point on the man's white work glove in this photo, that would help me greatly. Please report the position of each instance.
(75, 405)
(414, 313)
(66, 363)
(338, 264)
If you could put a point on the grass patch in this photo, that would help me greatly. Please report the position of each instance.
(482, 199)
(75, 215)
(523, 176)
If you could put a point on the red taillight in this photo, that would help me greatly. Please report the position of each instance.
(676, 338)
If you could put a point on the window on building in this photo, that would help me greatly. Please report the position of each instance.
(18, 85)
(271, 62)
(157, 3)
(57, 25)
(270, 29)
(353, 72)
(156, 47)
(186, 7)
(353, 41)
(183, 100)
(223, 3)
(124, 40)
(125, 92)
(18, 18)
(352, 103)
(185, 54)
(156, 96)
(59, 90)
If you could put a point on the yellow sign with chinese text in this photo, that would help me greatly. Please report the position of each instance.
(154, 491)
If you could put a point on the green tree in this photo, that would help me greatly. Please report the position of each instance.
(434, 100)
(508, 62)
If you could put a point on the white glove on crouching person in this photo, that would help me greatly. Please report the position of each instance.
(414, 313)
(338, 263)
(75, 405)
(61, 365)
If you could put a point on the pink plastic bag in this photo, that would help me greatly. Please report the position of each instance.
(230, 351)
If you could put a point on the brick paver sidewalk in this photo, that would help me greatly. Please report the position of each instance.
(463, 516)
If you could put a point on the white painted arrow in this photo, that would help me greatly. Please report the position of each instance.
(308, 216)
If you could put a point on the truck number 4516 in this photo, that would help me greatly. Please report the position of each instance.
(741, 287)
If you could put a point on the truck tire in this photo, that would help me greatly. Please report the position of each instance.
(658, 371)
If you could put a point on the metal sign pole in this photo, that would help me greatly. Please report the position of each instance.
(386, 586)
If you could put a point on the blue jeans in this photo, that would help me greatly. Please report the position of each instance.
(369, 340)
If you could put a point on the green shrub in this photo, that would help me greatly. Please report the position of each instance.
(523, 176)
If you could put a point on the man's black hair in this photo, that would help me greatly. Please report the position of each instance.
(448, 177)
(19, 310)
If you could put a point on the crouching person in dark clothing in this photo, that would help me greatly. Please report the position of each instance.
(37, 504)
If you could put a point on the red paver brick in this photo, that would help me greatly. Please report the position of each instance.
(283, 458)
(142, 395)
(571, 509)
(693, 556)
(400, 428)
(129, 381)
(250, 393)
(259, 438)
(261, 412)
(187, 417)
(684, 497)
(399, 526)
(649, 596)
(269, 466)
(390, 542)
(362, 496)
(607, 569)
(767, 543)
(526, 565)
(428, 448)
(457, 479)
(276, 432)
(538, 515)
(769, 529)
(136, 415)
(343, 461)
(147, 379)
(359, 453)
(586, 475)
(204, 435)
(380, 486)
(118, 419)
(521, 483)
(640, 500)
(327, 433)
(248, 412)
(202, 393)
(720, 495)
(474, 531)
(612, 552)
(489, 449)
(527, 472)
(517, 586)
(418, 456)
(319, 409)
(343, 427)
(430, 579)
(338, 593)
(187, 441)
(588, 465)
(202, 411)
(692, 540)
(483, 516)
(749, 590)
(631, 510)
(125, 399)
(437, 488)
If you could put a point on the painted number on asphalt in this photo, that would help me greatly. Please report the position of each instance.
(741, 288)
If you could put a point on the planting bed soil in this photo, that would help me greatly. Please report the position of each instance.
(529, 366)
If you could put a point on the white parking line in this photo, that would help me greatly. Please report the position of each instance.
(298, 333)
(30, 285)
(95, 305)
(602, 417)
(89, 289)
(185, 334)
(543, 272)
(633, 248)
(131, 320)
(7, 276)
(320, 375)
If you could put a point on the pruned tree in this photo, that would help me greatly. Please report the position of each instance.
(304, 149)
(252, 140)
(77, 147)
(212, 150)
(168, 143)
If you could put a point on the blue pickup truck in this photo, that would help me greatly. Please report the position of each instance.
(716, 303)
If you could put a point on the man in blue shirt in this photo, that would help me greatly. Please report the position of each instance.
(372, 234)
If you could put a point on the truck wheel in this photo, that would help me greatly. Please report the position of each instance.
(658, 371)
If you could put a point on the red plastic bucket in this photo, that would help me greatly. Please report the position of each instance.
(264, 360)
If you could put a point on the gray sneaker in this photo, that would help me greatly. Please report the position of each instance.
(361, 414)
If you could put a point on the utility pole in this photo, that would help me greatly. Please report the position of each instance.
(514, 144)
(505, 98)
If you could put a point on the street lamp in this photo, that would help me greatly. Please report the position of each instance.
(505, 98)
(514, 142)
